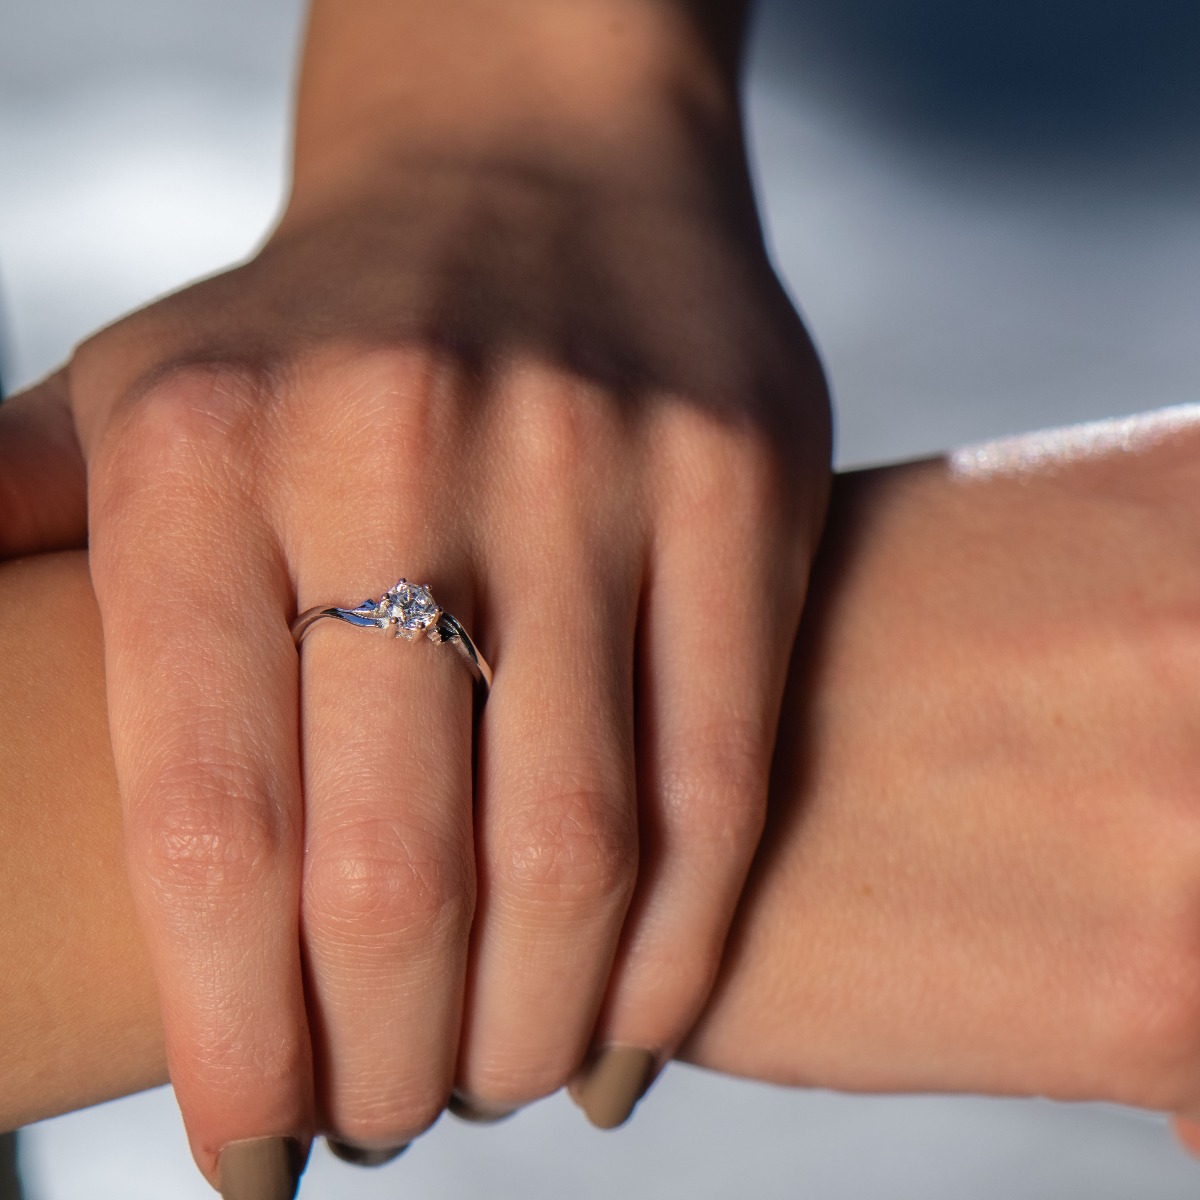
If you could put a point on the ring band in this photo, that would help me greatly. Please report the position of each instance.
(409, 611)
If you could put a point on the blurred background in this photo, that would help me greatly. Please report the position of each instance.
(989, 214)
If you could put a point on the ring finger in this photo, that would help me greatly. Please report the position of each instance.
(388, 887)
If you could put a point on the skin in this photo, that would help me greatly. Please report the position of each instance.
(980, 866)
(515, 335)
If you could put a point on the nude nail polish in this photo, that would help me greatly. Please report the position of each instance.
(476, 1111)
(610, 1087)
(360, 1157)
(261, 1169)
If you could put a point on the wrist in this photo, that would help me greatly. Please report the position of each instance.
(568, 88)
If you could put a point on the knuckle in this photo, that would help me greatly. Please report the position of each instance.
(561, 429)
(394, 399)
(714, 788)
(209, 831)
(570, 847)
(728, 465)
(190, 426)
(753, 493)
(394, 411)
(381, 878)
(743, 486)
(555, 447)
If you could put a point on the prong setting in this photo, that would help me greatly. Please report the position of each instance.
(406, 611)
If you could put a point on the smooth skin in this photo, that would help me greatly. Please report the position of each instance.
(981, 866)
(516, 336)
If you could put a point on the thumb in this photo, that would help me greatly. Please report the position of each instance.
(43, 479)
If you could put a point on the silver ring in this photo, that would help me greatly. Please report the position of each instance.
(409, 611)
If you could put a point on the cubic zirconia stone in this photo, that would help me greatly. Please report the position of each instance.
(412, 606)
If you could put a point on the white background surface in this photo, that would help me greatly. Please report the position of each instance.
(989, 230)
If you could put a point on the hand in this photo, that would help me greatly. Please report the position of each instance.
(545, 365)
(981, 868)
(981, 873)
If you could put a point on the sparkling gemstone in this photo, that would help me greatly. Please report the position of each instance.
(411, 606)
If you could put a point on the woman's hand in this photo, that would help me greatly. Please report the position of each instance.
(516, 336)
(982, 864)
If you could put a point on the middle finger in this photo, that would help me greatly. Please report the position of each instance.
(557, 822)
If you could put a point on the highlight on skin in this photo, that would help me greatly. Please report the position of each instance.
(1049, 448)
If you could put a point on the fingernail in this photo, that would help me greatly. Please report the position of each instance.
(610, 1087)
(363, 1158)
(261, 1169)
(477, 1111)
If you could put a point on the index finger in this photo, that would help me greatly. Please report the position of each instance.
(202, 692)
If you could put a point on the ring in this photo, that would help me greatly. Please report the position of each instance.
(409, 611)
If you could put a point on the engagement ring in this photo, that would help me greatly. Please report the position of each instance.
(406, 611)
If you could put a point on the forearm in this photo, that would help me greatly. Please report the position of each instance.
(979, 873)
(78, 1013)
(567, 89)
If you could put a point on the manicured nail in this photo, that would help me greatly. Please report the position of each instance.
(613, 1083)
(363, 1158)
(262, 1169)
(477, 1111)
